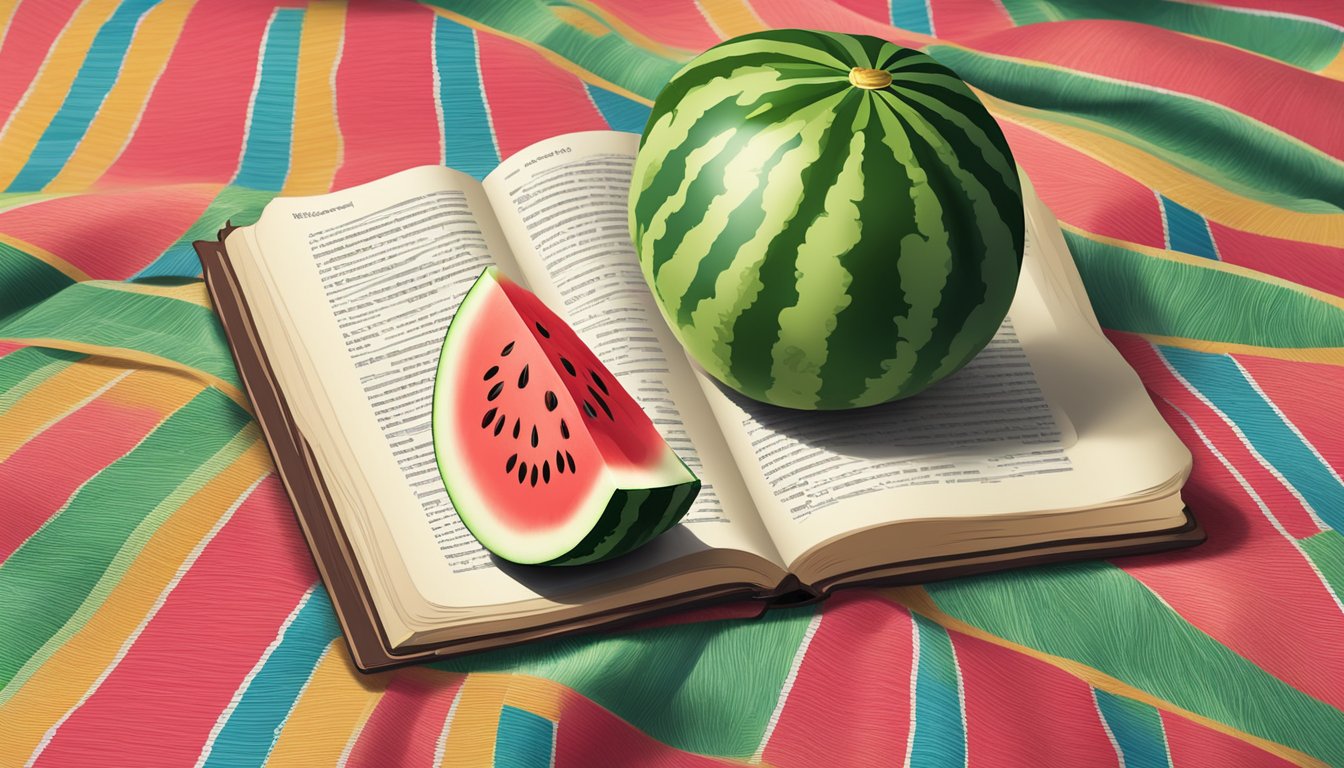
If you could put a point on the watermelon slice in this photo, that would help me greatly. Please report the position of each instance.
(546, 458)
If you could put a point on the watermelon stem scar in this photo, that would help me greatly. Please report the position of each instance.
(869, 79)
(586, 476)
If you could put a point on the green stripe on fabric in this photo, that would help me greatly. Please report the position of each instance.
(239, 205)
(938, 720)
(1136, 728)
(46, 580)
(707, 687)
(1206, 139)
(86, 313)
(127, 554)
(1144, 294)
(1303, 42)
(1088, 611)
(25, 281)
(1326, 550)
(23, 369)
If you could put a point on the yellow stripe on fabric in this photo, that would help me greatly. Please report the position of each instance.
(1197, 194)
(918, 600)
(629, 33)
(143, 358)
(471, 736)
(13, 200)
(60, 673)
(1335, 69)
(120, 112)
(48, 90)
(1209, 264)
(52, 400)
(192, 293)
(552, 57)
(333, 706)
(317, 149)
(730, 18)
(1322, 355)
(46, 257)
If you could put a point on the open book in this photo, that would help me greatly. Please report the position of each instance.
(1045, 447)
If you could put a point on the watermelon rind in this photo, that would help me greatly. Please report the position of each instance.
(626, 508)
(826, 221)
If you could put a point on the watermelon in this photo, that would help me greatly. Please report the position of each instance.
(546, 458)
(826, 221)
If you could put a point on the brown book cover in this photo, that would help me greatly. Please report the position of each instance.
(350, 594)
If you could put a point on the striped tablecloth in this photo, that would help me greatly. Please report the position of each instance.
(157, 602)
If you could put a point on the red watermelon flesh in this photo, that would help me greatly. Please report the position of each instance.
(546, 457)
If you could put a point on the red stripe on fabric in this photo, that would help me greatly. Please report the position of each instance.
(1326, 10)
(962, 19)
(1085, 192)
(404, 728)
(42, 475)
(512, 76)
(8, 346)
(877, 10)
(1023, 711)
(385, 91)
(1295, 389)
(680, 25)
(1275, 493)
(1193, 744)
(1247, 577)
(192, 127)
(587, 729)
(856, 672)
(146, 221)
(1293, 100)
(1315, 266)
(181, 672)
(32, 31)
(808, 14)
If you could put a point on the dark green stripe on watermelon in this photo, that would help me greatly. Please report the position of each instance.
(602, 543)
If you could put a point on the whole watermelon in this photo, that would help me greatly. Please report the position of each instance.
(826, 220)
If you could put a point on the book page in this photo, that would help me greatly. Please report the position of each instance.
(562, 203)
(1047, 417)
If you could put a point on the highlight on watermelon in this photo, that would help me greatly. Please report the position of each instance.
(827, 221)
(547, 459)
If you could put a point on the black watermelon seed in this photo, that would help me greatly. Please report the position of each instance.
(534, 475)
(517, 426)
(534, 436)
(495, 390)
(522, 378)
(546, 471)
(570, 459)
(499, 425)
(490, 374)
(569, 367)
(600, 384)
(601, 402)
(559, 462)
(545, 333)
(522, 471)
(508, 465)
(489, 417)
(588, 409)
(551, 400)
(564, 429)
(506, 350)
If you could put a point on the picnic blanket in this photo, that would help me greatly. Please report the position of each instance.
(158, 605)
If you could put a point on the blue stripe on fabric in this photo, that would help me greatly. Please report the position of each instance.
(1136, 728)
(265, 163)
(1220, 380)
(912, 15)
(468, 142)
(523, 740)
(95, 78)
(621, 114)
(252, 729)
(940, 730)
(1187, 230)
